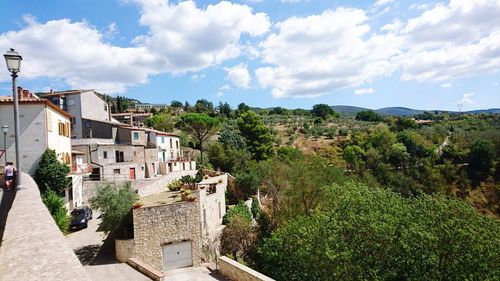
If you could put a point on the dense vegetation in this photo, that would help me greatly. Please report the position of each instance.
(51, 176)
(356, 197)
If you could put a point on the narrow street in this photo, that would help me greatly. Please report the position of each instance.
(97, 254)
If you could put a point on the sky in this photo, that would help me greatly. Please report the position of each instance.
(290, 53)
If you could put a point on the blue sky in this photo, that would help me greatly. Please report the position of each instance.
(291, 53)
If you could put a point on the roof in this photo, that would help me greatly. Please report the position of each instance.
(35, 100)
(67, 92)
(76, 152)
(161, 133)
(130, 114)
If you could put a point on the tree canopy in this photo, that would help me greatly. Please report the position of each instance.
(324, 111)
(369, 115)
(51, 173)
(257, 135)
(201, 127)
(374, 234)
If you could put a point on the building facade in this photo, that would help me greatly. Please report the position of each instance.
(42, 126)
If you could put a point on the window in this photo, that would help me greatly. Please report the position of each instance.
(162, 139)
(212, 188)
(171, 155)
(73, 120)
(136, 135)
(119, 156)
(105, 154)
(105, 107)
(116, 171)
(177, 144)
(171, 144)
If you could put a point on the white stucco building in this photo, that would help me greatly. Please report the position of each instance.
(42, 125)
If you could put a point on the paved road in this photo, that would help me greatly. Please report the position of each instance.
(96, 253)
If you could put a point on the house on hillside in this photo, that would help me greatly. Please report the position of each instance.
(131, 118)
(170, 233)
(43, 126)
(171, 157)
(91, 115)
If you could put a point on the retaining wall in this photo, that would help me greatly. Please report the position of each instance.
(33, 248)
(236, 271)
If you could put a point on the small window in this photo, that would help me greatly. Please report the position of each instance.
(105, 154)
(105, 107)
(162, 139)
(136, 135)
(116, 171)
(177, 144)
(171, 143)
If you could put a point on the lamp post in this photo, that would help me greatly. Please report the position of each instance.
(5, 130)
(13, 60)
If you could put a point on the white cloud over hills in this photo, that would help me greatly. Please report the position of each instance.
(301, 56)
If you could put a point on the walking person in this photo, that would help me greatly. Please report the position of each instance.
(9, 173)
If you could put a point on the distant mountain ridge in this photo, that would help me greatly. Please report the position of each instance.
(403, 111)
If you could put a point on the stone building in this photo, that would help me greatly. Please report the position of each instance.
(171, 234)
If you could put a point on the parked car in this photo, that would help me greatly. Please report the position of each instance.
(80, 217)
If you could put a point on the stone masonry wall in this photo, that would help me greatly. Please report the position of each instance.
(160, 225)
(236, 271)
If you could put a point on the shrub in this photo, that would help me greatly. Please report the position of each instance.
(187, 179)
(175, 185)
(343, 132)
(239, 210)
(55, 205)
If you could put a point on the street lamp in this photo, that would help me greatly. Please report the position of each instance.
(13, 60)
(5, 130)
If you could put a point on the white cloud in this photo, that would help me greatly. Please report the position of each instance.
(446, 85)
(452, 41)
(197, 77)
(239, 75)
(76, 53)
(311, 56)
(380, 3)
(180, 38)
(186, 38)
(466, 99)
(220, 94)
(364, 91)
(225, 87)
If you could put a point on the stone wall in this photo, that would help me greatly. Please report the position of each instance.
(236, 271)
(33, 248)
(124, 249)
(160, 225)
(144, 187)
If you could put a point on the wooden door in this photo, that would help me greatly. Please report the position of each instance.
(132, 173)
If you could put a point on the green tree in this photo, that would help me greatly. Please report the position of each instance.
(481, 157)
(115, 204)
(373, 234)
(51, 173)
(160, 122)
(238, 237)
(353, 156)
(242, 108)
(205, 107)
(176, 103)
(369, 115)
(257, 135)
(201, 127)
(324, 111)
(224, 109)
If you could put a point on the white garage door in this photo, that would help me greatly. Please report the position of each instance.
(177, 255)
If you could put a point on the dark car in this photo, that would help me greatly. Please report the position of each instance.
(80, 217)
